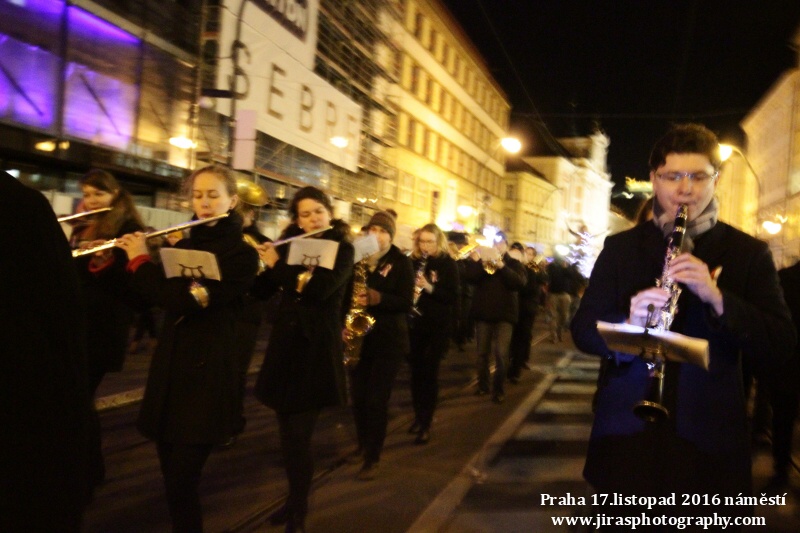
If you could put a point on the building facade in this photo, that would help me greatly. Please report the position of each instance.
(96, 84)
(773, 152)
(581, 199)
(452, 117)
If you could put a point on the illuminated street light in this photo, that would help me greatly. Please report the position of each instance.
(339, 141)
(182, 142)
(511, 145)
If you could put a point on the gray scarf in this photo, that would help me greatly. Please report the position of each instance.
(697, 226)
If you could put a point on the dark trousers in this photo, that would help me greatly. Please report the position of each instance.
(97, 466)
(493, 338)
(296, 430)
(784, 412)
(427, 350)
(519, 351)
(246, 339)
(181, 466)
(371, 386)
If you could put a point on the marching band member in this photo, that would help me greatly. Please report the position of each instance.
(436, 295)
(303, 369)
(702, 445)
(190, 400)
(111, 306)
(388, 298)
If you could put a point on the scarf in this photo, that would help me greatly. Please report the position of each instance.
(697, 226)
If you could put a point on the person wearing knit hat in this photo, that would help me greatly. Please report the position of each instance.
(388, 298)
(384, 220)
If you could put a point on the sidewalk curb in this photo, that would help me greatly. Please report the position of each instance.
(441, 510)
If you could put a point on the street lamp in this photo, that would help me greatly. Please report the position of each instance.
(510, 145)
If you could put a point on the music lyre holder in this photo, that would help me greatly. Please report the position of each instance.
(655, 347)
(627, 338)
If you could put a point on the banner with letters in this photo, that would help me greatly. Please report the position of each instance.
(291, 102)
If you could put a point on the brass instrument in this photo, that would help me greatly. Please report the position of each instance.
(652, 408)
(113, 242)
(465, 250)
(490, 266)
(70, 218)
(418, 290)
(252, 241)
(253, 196)
(358, 322)
(251, 193)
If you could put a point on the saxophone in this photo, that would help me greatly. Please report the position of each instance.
(652, 408)
(358, 322)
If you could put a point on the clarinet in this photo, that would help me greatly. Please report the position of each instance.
(652, 408)
(418, 290)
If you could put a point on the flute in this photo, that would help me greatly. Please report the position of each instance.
(113, 242)
(303, 236)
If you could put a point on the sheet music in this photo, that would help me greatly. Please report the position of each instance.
(627, 338)
(196, 264)
(488, 253)
(365, 246)
(313, 253)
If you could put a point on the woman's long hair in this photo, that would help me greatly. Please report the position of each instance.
(441, 241)
(109, 224)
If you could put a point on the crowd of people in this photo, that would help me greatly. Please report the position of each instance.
(418, 303)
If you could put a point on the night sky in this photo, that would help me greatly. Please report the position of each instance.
(630, 66)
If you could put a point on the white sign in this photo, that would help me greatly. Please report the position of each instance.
(291, 103)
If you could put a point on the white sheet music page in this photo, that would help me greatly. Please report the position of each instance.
(313, 253)
(194, 264)
(627, 338)
(365, 246)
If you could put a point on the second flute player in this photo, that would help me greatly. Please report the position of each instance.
(703, 446)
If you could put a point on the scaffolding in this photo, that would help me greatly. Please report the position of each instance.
(358, 52)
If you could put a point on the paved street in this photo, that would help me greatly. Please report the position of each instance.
(484, 469)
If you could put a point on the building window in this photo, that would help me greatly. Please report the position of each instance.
(411, 133)
(416, 73)
(434, 37)
(426, 142)
(405, 188)
(509, 192)
(429, 91)
(422, 194)
(419, 21)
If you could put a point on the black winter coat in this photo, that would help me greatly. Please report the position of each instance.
(393, 277)
(496, 296)
(303, 367)
(704, 448)
(192, 388)
(111, 307)
(437, 308)
(44, 403)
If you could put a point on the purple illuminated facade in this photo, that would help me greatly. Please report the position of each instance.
(99, 99)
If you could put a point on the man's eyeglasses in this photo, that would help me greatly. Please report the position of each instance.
(694, 177)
